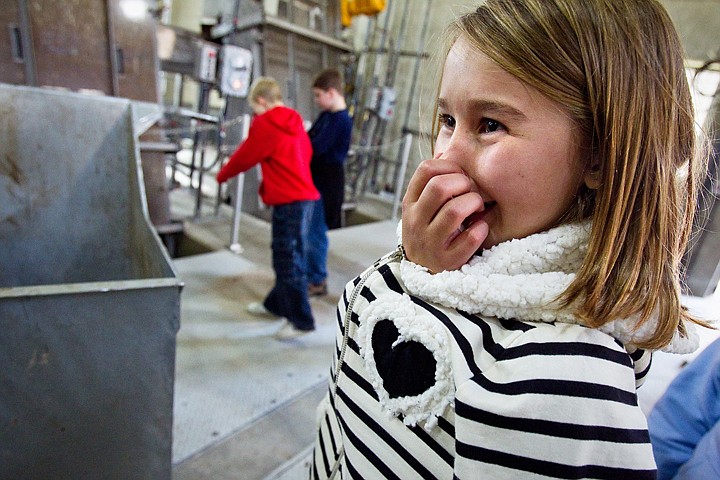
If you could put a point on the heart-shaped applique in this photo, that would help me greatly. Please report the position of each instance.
(407, 368)
(406, 352)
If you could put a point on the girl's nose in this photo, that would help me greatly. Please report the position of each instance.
(456, 148)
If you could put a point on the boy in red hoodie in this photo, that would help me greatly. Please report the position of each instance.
(278, 141)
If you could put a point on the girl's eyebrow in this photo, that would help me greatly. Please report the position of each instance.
(489, 107)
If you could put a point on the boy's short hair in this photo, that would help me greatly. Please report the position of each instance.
(329, 78)
(267, 88)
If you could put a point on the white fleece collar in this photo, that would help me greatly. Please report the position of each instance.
(521, 279)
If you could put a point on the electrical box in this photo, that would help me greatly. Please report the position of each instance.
(181, 51)
(206, 64)
(387, 103)
(382, 101)
(235, 70)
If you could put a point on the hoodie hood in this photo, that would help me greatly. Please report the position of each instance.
(522, 278)
(285, 119)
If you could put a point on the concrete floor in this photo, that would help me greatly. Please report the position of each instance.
(244, 402)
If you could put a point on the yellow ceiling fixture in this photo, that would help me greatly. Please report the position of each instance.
(351, 8)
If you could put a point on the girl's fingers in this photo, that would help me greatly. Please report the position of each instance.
(427, 170)
(441, 242)
(439, 191)
(439, 199)
(453, 213)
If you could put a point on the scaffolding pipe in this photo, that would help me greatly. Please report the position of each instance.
(27, 44)
(407, 142)
(400, 179)
(379, 134)
(369, 124)
(395, 52)
(416, 71)
(220, 153)
(292, 72)
(113, 50)
(378, 176)
(235, 246)
(362, 65)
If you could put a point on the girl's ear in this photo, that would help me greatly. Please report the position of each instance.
(592, 179)
(592, 174)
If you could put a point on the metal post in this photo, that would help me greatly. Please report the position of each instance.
(392, 63)
(292, 90)
(407, 142)
(359, 88)
(416, 70)
(413, 83)
(113, 50)
(199, 138)
(377, 122)
(235, 246)
(176, 99)
(27, 44)
(220, 153)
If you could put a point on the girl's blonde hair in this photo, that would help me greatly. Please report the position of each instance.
(267, 88)
(617, 68)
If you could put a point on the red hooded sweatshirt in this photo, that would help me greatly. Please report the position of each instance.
(278, 141)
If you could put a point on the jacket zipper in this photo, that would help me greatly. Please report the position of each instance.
(397, 255)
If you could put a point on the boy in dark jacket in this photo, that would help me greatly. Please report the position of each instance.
(279, 143)
(330, 136)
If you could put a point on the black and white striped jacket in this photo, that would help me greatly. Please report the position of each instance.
(419, 390)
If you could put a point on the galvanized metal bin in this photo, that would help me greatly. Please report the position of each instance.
(89, 299)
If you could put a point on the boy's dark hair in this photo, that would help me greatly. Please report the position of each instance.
(329, 78)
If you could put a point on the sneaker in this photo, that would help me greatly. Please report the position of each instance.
(317, 289)
(257, 308)
(288, 332)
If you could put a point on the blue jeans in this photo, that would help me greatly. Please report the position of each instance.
(288, 298)
(317, 245)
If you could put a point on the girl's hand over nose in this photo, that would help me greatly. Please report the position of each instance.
(441, 216)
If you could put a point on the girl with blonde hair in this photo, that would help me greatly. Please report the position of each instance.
(540, 257)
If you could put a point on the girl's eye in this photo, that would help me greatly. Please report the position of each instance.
(446, 120)
(488, 125)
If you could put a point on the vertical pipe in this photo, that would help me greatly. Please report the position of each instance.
(384, 34)
(372, 130)
(392, 63)
(237, 204)
(394, 56)
(112, 48)
(413, 84)
(177, 89)
(236, 13)
(400, 180)
(292, 88)
(200, 137)
(176, 96)
(366, 160)
(358, 88)
(219, 151)
(257, 56)
(26, 39)
(418, 61)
